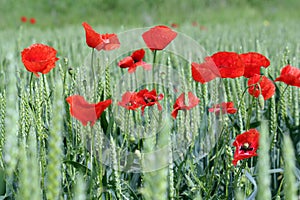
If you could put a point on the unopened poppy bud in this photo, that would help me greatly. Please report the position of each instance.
(66, 61)
(261, 101)
(70, 71)
(132, 138)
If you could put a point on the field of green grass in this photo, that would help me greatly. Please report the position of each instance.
(46, 153)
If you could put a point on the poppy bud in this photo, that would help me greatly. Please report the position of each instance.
(132, 139)
(70, 71)
(261, 101)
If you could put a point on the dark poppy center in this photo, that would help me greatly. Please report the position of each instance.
(148, 100)
(246, 147)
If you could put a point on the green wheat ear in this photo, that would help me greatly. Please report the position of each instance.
(2, 123)
(290, 188)
(11, 148)
(55, 146)
(80, 189)
(263, 165)
(29, 170)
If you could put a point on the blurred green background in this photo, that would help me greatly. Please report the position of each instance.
(128, 13)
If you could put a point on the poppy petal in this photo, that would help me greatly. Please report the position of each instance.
(266, 87)
(246, 145)
(205, 72)
(138, 55)
(158, 37)
(253, 62)
(84, 111)
(126, 62)
(93, 39)
(229, 64)
(290, 76)
(39, 58)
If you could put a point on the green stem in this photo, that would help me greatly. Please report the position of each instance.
(153, 63)
(92, 66)
(249, 113)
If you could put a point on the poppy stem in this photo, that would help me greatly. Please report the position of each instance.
(92, 65)
(30, 83)
(249, 113)
(153, 74)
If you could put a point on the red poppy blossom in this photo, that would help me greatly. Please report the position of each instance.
(261, 85)
(84, 111)
(224, 107)
(158, 37)
(23, 19)
(253, 62)
(290, 76)
(246, 145)
(180, 103)
(98, 41)
(148, 98)
(135, 60)
(194, 23)
(205, 72)
(39, 58)
(174, 25)
(229, 64)
(129, 101)
(32, 20)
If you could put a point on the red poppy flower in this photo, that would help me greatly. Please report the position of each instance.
(174, 25)
(32, 20)
(261, 85)
(246, 145)
(290, 76)
(145, 98)
(23, 19)
(84, 111)
(253, 62)
(95, 40)
(224, 107)
(39, 58)
(129, 101)
(229, 64)
(194, 23)
(135, 60)
(158, 37)
(180, 103)
(205, 72)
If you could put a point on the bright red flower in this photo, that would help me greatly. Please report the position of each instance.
(229, 64)
(253, 62)
(174, 25)
(180, 103)
(246, 145)
(261, 85)
(32, 20)
(148, 98)
(39, 58)
(158, 37)
(224, 107)
(23, 19)
(290, 76)
(205, 72)
(84, 111)
(95, 40)
(135, 60)
(129, 101)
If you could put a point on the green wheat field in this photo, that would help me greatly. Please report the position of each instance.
(46, 153)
